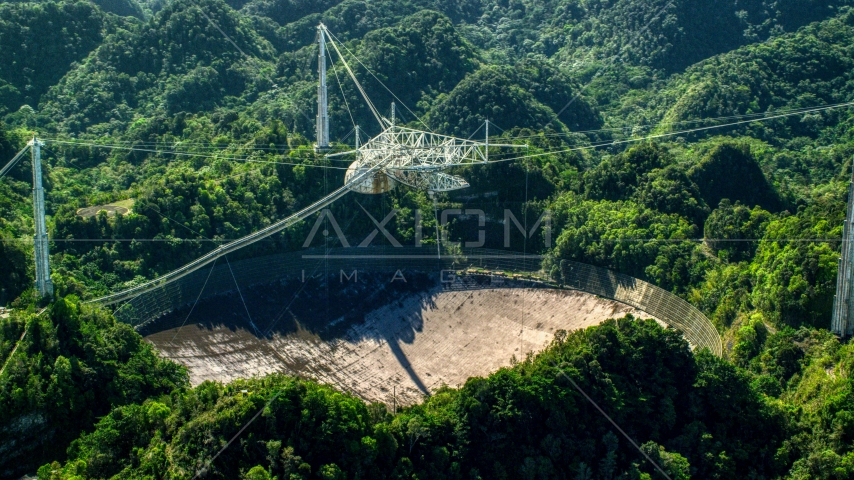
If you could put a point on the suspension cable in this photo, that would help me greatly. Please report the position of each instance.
(758, 116)
(748, 119)
(14, 161)
(190, 154)
(341, 88)
(669, 134)
(380, 82)
(377, 115)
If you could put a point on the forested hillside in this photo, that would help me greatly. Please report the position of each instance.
(41, 42)
(698, 416)
(645, 131)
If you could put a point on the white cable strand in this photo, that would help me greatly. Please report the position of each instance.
(285, 146)
(381, 83)
(257, 332)
(661, 135)
(356, 81)
(605, 240)
(341, 88)
(681, 122)
(475, 132)
(194, 304)
(201, 155)
(626, 435)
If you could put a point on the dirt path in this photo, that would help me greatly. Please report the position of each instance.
(416, 343)
(15, 349)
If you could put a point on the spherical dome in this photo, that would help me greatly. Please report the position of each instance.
(375, 183)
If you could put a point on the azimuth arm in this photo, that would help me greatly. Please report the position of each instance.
(235, 245)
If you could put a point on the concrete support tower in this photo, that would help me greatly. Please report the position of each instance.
(843, 307)
(322, 101)
(43, 283)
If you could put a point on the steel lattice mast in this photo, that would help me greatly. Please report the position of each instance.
(43, 283)
(841, 323)
(322, 100)
(40, 240)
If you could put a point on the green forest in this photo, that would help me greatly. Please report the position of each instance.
(705, 147)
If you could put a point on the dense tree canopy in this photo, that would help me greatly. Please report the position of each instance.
(734, 230)
(73, 365)
(730, 171)
(521, 422)
(40, 43)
